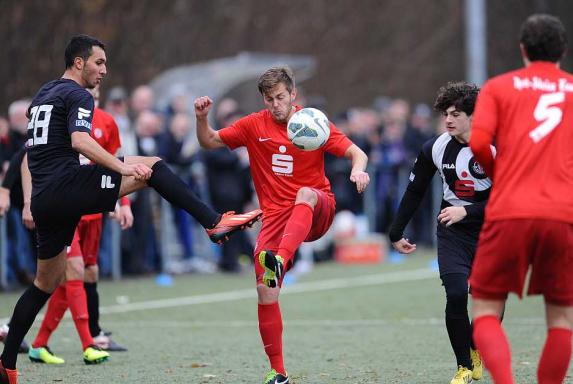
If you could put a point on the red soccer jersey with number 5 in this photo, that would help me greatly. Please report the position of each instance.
(529, 113)
(280, 169)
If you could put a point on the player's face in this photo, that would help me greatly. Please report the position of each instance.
(279, 102)
(94, 68)
(458, 124)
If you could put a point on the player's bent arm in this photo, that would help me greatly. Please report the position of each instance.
(83, 143)
(358, 157)
(480, 144)
(359, 161)
(420, 179)
(208, 138)
(27, 218)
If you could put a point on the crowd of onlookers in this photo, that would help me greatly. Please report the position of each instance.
(391, 132)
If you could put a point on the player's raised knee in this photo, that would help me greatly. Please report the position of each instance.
(307, 195)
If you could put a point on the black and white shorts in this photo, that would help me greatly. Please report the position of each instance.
(58, 208)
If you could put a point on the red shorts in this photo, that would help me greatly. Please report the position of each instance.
(507, 248)
(86, 241)
(274, 225)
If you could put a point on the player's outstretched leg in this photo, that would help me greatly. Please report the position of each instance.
(230, 223)
(177, 192)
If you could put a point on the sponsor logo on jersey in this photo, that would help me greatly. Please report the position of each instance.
(282, 164)
(83, 123)
(106, 182)
(98, 133)
(448, 166)
(83, 113)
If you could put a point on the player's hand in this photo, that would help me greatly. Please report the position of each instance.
(124, 216)
(139, 171)
(27, 218)
(361, 179)
(202, 106)
(404, 246)
(4, 201)
(451, 215)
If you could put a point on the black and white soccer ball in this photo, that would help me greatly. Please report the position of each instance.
(308, 129)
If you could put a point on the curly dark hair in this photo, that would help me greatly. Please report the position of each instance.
(543, 37)
(461, 94)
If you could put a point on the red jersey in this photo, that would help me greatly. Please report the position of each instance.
(280, 169)
(529, 113)
(106, 133)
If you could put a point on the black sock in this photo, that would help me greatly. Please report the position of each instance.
(460, 333)
(93, 308)
(457, 319)
(25, 311)
(174, 190)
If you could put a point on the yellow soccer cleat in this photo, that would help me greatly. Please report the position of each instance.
(94, 355)
(44, 355)
(477, 369)
(274, 268)
(463, 376)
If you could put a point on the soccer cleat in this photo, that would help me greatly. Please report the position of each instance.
(274, 268)
(95, 355)
(276, 378)
(8, 376)
(105, 342)
(44, 355)
(4, 331)
(231, 222)
(477, 369)
(463, 376)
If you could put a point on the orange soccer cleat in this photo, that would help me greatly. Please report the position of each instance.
(231, 222)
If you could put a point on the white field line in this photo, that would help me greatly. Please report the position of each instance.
(378, 279)
(351, 323)
(324, 285)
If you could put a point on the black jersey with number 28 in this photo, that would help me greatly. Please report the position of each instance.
(59, 108)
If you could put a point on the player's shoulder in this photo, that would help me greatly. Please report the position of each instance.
(436, 141)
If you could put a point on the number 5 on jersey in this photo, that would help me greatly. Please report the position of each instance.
(548, 114)
(39, 123)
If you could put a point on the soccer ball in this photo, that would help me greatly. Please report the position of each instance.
(308, 129)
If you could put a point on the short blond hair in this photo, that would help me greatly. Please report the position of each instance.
(274, 76)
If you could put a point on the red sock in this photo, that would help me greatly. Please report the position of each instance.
(296, 230)
(57, 306)
(78, 303)
(493, 346)
(554, 360)
(271, 329)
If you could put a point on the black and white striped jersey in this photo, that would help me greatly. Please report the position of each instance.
(463, 179)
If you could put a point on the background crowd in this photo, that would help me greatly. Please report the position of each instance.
(166, 239)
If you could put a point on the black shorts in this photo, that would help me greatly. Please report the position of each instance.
(58, 208)
(456, 248)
